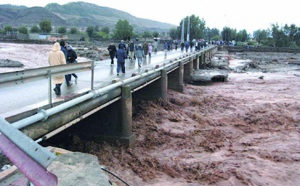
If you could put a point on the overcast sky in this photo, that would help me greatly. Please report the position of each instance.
(238, 14)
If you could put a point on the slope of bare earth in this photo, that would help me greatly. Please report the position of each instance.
(244, 131)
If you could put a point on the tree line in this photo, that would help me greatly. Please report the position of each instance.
(275, 36)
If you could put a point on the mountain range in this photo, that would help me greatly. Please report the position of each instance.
(75, 14)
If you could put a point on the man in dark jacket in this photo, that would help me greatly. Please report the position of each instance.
(121, 56)
(71, 58)
(64, 50)
(112, 52)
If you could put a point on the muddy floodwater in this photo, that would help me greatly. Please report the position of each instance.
(244, 131)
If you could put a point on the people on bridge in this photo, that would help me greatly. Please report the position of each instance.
(57, 57)
(122, 44)
(145, 48)
(131, 51)
(182, 46)
(64, 50)
(186, 45)
(166, 48)
(155, 44)
(71, 58)
(121, 56)
(149, 50)
(112, 52)
(139, 53)
(176, 45)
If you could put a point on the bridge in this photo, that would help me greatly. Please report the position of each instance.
(31, 112)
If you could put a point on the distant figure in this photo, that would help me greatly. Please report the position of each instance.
(71, 58)
(121, 56)
(145, 48)
(191, 46)
(131, 51)
(112, 52)
(182, 46)
(139, 53)
(155, 46)
(57, 57)
(149, 50)
(166, 48)
(186, 45)
(176, 45)
(122, 44)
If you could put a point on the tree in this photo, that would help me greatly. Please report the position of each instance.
(242, 36)
(146, 34)
(23, 30)
(90, 31)
(74, 30)
(228, 34)
(155, 34)
(173, 33)
(8, 29)
(197, 27)
(212, 34)
(62, 30)
(34, 29)
(260, 35)
(45, 26)
(105, 30)
(123, 30)
(96, 28)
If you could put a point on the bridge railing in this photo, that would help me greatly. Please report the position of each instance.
(31, 75)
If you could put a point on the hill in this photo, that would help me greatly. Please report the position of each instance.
(75, 14)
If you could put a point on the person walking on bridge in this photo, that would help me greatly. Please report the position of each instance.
(145, 48)
(57, 57)
(64, 50)
(131, 51)
(112, 52)
(121, 56)
(139, 53)
(71, 58)
(166, 48)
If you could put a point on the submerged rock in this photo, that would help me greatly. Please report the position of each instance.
(209, 75)
(10, 63)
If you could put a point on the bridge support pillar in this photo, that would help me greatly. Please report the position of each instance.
(127, 137)
(156, 89)
(196, 62)
(164, 85)
(175, 79)
(202, 61)
(188, 71)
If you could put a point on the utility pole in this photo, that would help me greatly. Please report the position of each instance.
(188, 31)
(182, 31)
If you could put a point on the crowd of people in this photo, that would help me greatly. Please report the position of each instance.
(63, 53)
(130, 51)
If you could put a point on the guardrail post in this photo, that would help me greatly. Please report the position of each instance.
(50, 88)
(92, 75)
